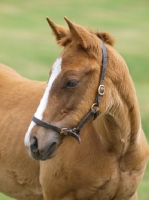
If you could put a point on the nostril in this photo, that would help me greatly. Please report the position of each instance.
(34, 145)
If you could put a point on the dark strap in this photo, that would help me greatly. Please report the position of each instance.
(94, 112)
(62, 131)
(101, 88)
(104, 64)
(45, 124)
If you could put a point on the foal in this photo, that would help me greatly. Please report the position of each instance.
(111, 159)
(89, 96)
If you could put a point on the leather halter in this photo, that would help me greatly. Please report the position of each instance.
(74, 132)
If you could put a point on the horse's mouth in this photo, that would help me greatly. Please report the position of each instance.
(44, 155)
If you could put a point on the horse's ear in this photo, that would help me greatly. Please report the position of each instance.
(61, 33)
(105, 37)
(79, 33)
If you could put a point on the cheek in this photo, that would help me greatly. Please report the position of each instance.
(60, 110)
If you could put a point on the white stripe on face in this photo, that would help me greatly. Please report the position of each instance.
(56, 69)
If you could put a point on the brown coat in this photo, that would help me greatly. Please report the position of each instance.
(111, 159)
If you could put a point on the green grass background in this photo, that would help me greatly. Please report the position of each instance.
(27, 45)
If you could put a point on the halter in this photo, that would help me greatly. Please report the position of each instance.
(94, 111)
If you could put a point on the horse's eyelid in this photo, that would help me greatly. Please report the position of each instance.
(75, 82)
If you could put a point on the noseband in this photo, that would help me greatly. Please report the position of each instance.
(94, 111)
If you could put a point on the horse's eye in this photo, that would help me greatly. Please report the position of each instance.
(72, 83)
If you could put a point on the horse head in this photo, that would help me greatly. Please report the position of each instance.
(71, 90)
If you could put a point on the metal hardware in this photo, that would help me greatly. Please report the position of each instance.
(62, 131)
(74, 129)
(93, 106)
(101, 90)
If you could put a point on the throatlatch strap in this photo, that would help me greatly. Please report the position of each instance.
(104, 64)
(101, 88)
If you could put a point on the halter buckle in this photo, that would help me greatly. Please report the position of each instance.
(101, 90)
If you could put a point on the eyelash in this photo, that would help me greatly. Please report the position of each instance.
(72, 83)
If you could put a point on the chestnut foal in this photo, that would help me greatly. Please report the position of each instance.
(91, 97)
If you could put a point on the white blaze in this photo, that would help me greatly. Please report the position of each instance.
(56, 69)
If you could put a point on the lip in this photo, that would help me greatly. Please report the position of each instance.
(47, 154)
(50, 152)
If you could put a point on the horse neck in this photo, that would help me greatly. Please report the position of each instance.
(119, 124)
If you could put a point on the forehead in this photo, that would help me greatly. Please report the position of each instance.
(77, 59)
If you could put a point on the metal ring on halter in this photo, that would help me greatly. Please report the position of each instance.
(94, 105)
(62, 131)
(74, 129)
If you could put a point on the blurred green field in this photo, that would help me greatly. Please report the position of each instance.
(27, 45)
